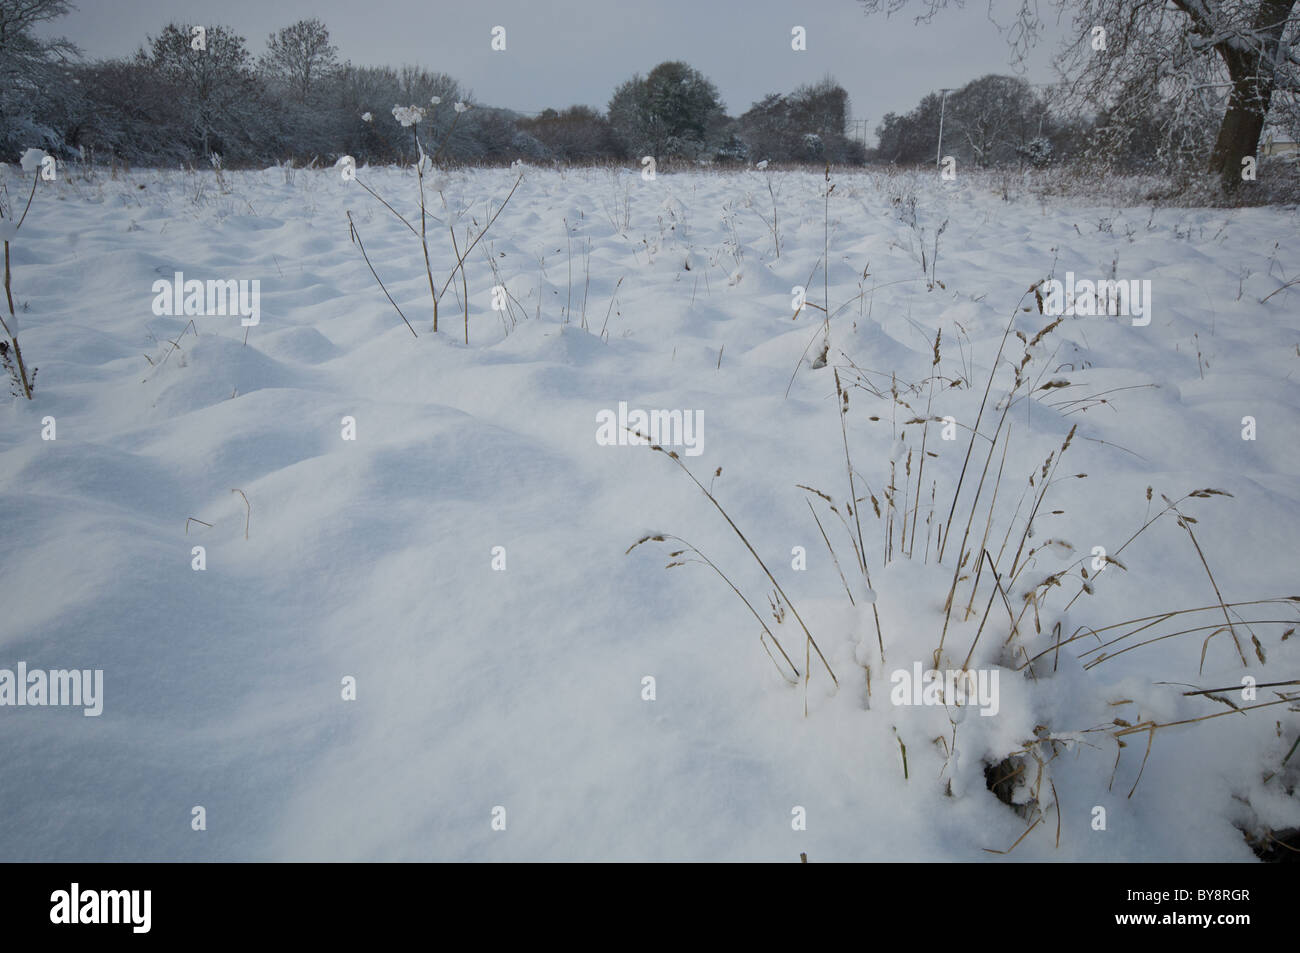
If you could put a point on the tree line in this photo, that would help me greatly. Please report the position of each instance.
(190, 92)
(1163, 92)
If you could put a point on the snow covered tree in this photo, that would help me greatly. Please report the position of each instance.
(1192, 56)
(220, 96)
(1037, 152)
(33, 77)
(674, 111)
(130, 112)
(1249, 39)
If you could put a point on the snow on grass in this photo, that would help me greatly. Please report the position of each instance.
(478, 688)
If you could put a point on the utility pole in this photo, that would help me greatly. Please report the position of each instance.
(858, 130)
(943, 102)
(1043, 112)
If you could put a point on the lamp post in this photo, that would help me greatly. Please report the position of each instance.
(943, 102)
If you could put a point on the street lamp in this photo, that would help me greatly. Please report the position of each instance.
(943, 102)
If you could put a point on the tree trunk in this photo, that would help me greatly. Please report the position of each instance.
(1253, 75)
(1242, 125)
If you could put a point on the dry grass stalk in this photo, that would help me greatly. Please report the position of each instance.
(248, 513)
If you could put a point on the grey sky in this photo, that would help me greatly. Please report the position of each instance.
(561, 52)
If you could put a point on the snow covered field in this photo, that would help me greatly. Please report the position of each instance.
(514, 678)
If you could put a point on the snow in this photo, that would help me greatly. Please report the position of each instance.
(478, 688)
(408, 115)
(31, 159)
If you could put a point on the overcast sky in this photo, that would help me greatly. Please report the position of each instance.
(562, 52)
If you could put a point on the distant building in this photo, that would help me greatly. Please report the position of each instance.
(1278, 143)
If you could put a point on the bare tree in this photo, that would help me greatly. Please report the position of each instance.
(299, 56)
(214, 80)
(1226, 55)
(993, 116)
